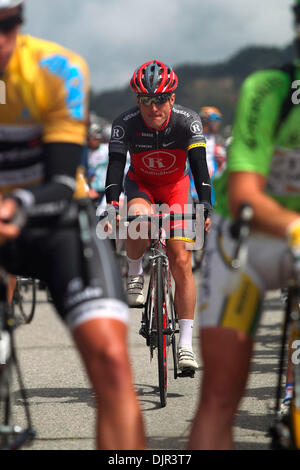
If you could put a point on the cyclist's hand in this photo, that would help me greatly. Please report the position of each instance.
(108, 227)
(8, 228)
(111, 211)
(93, 193)
(207, 224)
(207, 219)
(293, 235)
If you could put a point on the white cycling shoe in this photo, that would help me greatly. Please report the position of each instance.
(135, 295)
(186, 358)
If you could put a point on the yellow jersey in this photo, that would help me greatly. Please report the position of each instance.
(44, 99)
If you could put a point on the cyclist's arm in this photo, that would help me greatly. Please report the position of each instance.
(198, 164)
(61, 160)
(63, 115)
(269, 216)
(252, 148)
(114, 176)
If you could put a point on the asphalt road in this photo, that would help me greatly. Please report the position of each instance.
(61, 401)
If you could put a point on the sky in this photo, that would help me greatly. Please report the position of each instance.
(116, 36)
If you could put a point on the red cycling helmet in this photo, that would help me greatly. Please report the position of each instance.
(154, 77)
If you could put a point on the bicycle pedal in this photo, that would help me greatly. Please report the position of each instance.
(143, 332)
(187, 372)
(167, 331)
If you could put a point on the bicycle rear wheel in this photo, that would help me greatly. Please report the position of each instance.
(162, 326)
(5, 405)
(25, 298)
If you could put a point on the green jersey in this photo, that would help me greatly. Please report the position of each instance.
(266, 137)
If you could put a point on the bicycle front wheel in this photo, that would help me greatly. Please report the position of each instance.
(162, 337)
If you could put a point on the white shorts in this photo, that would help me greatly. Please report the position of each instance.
(235, 300)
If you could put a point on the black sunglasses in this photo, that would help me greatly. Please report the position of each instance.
(8, 24)
(157, 100)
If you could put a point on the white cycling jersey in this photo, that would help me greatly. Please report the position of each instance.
(210, 154)
(97, 166)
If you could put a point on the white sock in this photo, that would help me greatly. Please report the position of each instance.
(185, 333)
(135, 266)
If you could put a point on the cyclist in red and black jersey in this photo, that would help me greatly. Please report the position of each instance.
(161, 138)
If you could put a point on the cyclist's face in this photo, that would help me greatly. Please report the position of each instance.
(215, 126)
(7, 38)
(211, 127)
(94, 143)
(156, 115)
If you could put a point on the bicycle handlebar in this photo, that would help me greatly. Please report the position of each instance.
(160, 216)
(157, 219)
(149, 217)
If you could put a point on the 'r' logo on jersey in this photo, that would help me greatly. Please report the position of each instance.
(117, 133)
(196, 127)
(154, 163)
(159, 160)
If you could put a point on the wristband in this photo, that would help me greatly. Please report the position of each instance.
(114, 203)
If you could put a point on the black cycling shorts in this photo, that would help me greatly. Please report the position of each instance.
(55, 258)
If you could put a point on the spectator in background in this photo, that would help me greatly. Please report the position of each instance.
(96, 158)
(215, 148)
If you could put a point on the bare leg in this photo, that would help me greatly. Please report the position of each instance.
(226, 356)
(136, 248)
(11, 288)
(102, 344)
(185, 289)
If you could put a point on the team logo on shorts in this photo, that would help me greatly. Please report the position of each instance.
(118, 133)
(159, 161)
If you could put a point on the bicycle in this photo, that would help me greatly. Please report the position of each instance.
(159, 317)
(285, 430)
(12, 436)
